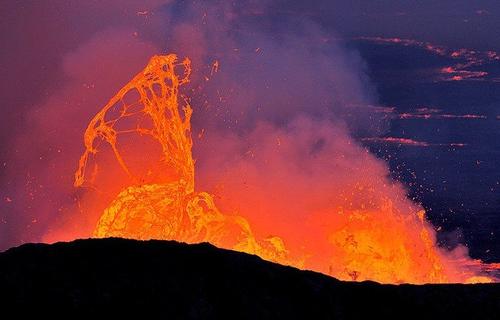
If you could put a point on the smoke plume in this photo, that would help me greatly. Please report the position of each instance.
(277, 104)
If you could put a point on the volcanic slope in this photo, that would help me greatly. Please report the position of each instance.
(170, 280)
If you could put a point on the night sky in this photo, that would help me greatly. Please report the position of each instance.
(427, 77)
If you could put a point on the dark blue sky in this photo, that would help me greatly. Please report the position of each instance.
(456, 23)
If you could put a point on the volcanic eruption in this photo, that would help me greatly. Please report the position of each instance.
(144, 132)
(168, 207)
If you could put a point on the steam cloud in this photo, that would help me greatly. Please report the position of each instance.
(273, 129)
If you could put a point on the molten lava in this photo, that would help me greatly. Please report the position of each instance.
(160, 200)
(169, 209)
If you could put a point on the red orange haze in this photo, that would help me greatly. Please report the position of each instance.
(305, 195)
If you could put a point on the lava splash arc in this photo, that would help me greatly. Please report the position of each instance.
(169, 208)
(160, 201)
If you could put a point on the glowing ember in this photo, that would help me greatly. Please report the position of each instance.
(372, 241)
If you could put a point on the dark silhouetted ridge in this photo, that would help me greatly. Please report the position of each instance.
(169, 280)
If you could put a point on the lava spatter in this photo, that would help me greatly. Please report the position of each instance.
(170, 208)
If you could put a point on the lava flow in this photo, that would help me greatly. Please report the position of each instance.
(160, 201)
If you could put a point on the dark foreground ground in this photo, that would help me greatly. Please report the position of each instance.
(170, 280)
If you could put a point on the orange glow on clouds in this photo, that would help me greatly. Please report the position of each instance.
(424, 113)
(458, 72)
(410, 142)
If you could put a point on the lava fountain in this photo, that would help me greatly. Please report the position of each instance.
(170, 208)
(160, 201)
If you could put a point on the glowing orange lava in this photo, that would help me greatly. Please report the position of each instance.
(170, 208)
(160, 201)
